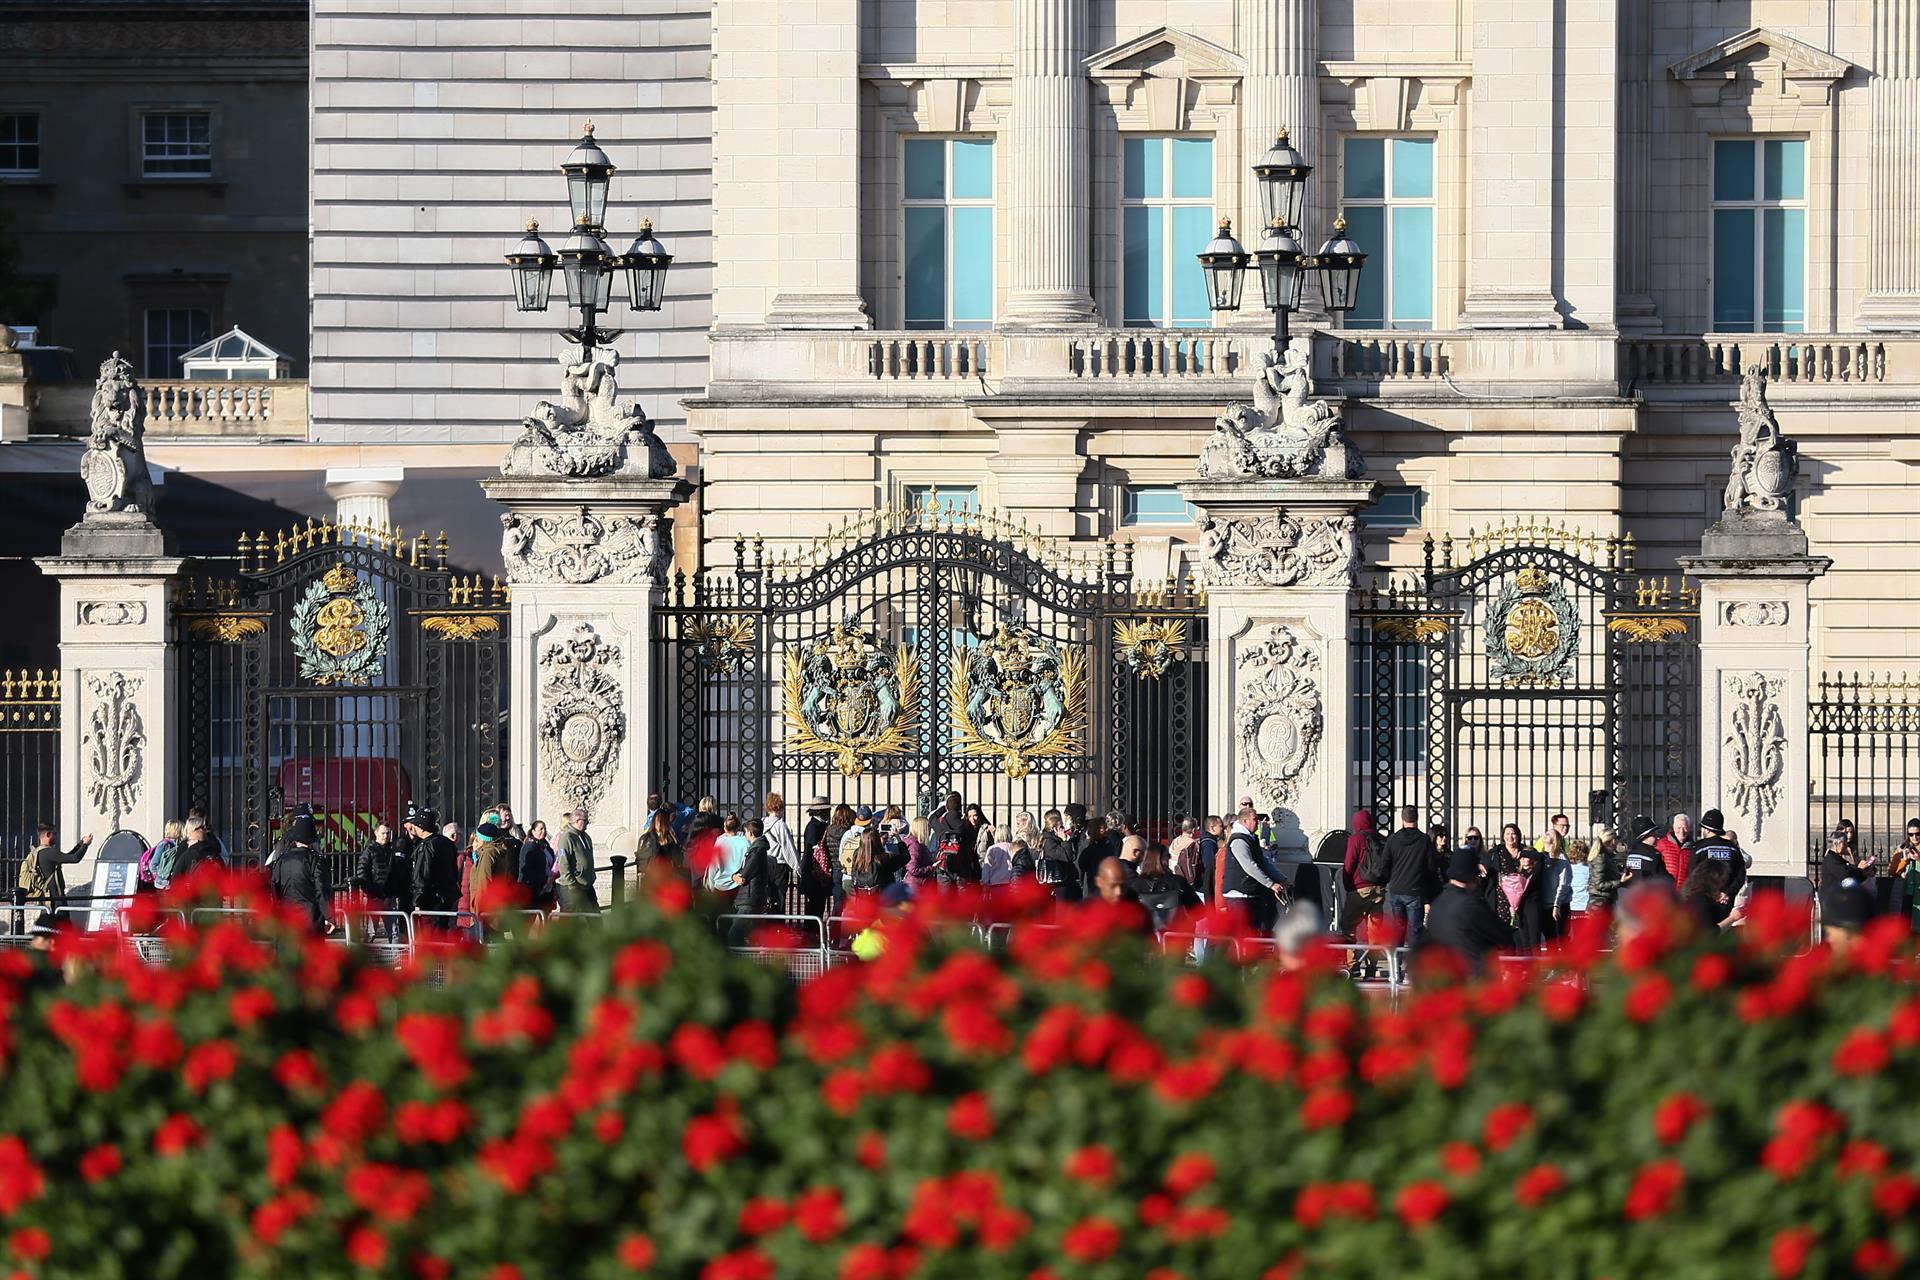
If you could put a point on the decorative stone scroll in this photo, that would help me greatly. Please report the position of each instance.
(1754, 613)
(112, 613)
(583, 719)
(1283, 552)
(1754, 760)
(114, 466)
(583, 548)
(1282, 434)
(586, 434)
(1278, 721)
(1763, 460)
(116, 745)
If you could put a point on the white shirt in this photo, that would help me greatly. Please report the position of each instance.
(780, 843)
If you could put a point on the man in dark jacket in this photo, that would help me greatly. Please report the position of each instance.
(1840, 864)
(1212, 832)
(1410, 886)
(1461, 921)
(41, 877)
(1643, 861)
(436, 864)
(1060, 848)
(1713, 844)
(296, 878)
(816, 861)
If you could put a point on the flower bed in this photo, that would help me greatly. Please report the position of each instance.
(628, 1098)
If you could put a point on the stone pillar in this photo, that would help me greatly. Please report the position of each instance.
(364, 495)
(1633, 226)
(1047, 209)
(1893, 116)
(587, 560)
(1755, 575)
(1278, 563)
(1280, 40)
(817, 167)
(1510, 258)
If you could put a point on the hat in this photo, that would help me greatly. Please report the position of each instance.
(1463, 865)
(302, 831)
(1642, 828)
(1713, 820)
(425, 819)
(864, 813)
(1848, 906)
(819, 802)
(44, 925)
(487, 831)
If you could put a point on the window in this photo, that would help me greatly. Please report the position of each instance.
(1398, 507)
(19, 146)
(1166, 216)
(1386, 188)
(171, 333)
(948, 231)
(948, 499)
(1155, 504)
(176, 144)
(1759, 235)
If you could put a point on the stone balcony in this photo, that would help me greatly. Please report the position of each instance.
(178, 408)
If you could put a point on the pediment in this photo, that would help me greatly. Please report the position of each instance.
(1730, 58)
(1166, 51)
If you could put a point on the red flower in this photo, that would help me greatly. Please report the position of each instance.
(283, 1154)
(1420, 1203)
(1000, 1229)
(609, 1127)
(1090, 1240)
(1189, 1172)
(100, 1163)
(156, 1044)
(762, 1215)
(1188, 1081)
(1461, 1159)
(1712, 971)
(208, 1063)
(1648, 996)
(1896, 1194)
(366, 1248)
(746, 1264)
(635, 1251)
(871, 1151)
(1862, 1159)
(866, 1262)
(696, 1050)
(298, 1071)
(1091, 1164)
(175, 1134)
(30, 1244)
(432, 1040)
(1192, 990)
(1537, 1185)
(1787, 1255)
(709, 1139)
(1655, 1187)
(1863, 1053)
(1198, 1223)
(817, 1214)
(970, 1118)
(1505, 1124)
(1326, 1108)
(1676, 1114)
(249, 1005)
(503, 1271)
(1562, 1001)
(515, 1162)
(356, 1113)
(272, 1218)
(1876, 1258)
(1318, 1201)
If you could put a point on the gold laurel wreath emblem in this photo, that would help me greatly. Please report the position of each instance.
(1017, 761)
(851, 757)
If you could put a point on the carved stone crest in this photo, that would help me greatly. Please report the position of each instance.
(1754, 613)
(1755, 747)
(114, 467)
(1282, 433)
(1321, 552)
(116, 745)
(583, 718)
(340, 629)
(843, 695)
(1763, 460)
(1532, 632)
(583, 548)
(1279, 718)
(112, 613)
(1018, 696)
(587, 433)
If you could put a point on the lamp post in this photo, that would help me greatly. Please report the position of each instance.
(1282, 177)
(585, 261)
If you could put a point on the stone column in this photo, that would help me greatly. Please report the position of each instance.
(1893, 114)
(1046, 213)
(1510, 259)
(587, 560)
(364, 495)
(1633, 225)
(1280, 40)
(1278, 562)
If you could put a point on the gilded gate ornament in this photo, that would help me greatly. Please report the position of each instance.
(340, 629)
(1532, 631)
(721, 645)
(1150, 646)
(844, 697)
(1020, 697)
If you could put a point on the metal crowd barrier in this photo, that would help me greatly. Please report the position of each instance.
(803, 962)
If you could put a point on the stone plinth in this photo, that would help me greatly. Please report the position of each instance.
(1278, 563)
(587, 561)
(117, 694)
(1755, 579)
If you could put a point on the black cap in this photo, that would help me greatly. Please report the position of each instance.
(302, 831)
(1463, 865)
(1713, 820)
(1643, 827)
(1848, 906)
(487, 831)
(45, 925)
(425, 819)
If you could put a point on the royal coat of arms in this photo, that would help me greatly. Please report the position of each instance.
(1149, 647)
(1020, 697)
(340, 629)
(844, 696)
(1532, 632)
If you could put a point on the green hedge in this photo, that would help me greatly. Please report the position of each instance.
(628, 1098)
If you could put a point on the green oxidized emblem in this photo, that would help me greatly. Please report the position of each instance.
(1532, 632)
(340, 629)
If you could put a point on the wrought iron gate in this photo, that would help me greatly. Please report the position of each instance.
(920, 652)
(1537, 675)
(343, 667)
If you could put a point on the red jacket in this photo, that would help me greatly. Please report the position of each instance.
(1357, 846)
(1675, 855)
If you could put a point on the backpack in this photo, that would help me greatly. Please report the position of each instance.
(158, 866)
(1376, 867)
(1161, 905)
(1188, 867)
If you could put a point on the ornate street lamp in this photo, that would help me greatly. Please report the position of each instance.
(1281, 175)
(585, 261)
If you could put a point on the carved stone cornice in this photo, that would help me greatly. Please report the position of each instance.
(583, 548)
(1279, 551)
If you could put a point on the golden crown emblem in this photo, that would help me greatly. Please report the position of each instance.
(1013, 652)
(339, 580)
(846, 649)
(1532, 581)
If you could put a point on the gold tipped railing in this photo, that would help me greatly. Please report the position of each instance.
(263, 551)
(1530, 531)
(30, 686)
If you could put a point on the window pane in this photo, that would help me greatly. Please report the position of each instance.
(1733, 270)
(926, 169)
(1413, 168)
(1154, 504)
(1192, 228)
(1733, 170)
(949, 498)
(1366, 169)
(1366, 225)
(1410, 260)
(1141, 168)
(1143, 253)
(1192, 167)
(926, 267)
(1785, 177)
(973, 264)
(972, 169)
(1784, 247)
(1398, 507)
